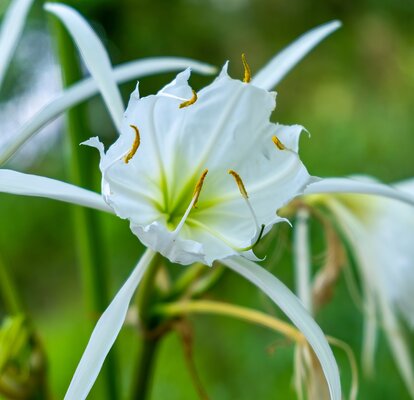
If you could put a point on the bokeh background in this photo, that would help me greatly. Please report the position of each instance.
(354, 94)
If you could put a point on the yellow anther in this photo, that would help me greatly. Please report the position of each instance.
(191, 101)
(135, 145)
(247, 71)
(278, 143)
(239, 182)
(198, 187)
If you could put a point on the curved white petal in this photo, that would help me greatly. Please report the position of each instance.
(94, 55)
(88, 87)
(292, 307)
(226, 129)
(10, 32)
(406, 185)
(347, 185)
(38, 186)
(274, 71)
(105, 333)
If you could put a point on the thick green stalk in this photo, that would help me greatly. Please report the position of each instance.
(9, 292)
(146, 296)
(146, 363)
(86, 222)
(146, 293)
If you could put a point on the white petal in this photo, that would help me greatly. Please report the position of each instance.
(406, 185)
(105, 333)
(273, 72)
(157, 237)
(346, 185)
(10, 32)
(38, 186)
(94, 55)
(154, 65)
(292, 307)
(88, 87)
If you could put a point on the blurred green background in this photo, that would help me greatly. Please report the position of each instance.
(354, 94)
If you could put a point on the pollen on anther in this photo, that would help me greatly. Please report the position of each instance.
(247, 72)
(191, 101)
(198, 187)
(135, 145)
(278, 143)
(240, 183)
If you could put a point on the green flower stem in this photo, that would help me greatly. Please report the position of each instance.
(186, 280)
(207, 282)
(218, 308)
(191, 281)
(143, 378)
(8, 291)
(86, 222)
(145, 297)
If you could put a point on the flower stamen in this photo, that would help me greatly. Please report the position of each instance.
(189, 102)
(135, 145)
(247, 72)
(278, 143)
(193, 203)
(245, 196)
(243, 192)
(198, 187)
(240, 183)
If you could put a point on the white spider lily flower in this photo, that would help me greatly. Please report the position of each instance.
(200, 178)
(379, 231)
(201, 182)
(255, 222)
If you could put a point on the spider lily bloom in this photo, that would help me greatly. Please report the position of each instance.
(202, 181)
(200, 177)
(379, 232)
(210, 201)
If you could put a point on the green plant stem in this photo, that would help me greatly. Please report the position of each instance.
(207, 282)
(218, 308)
(9, 292)
(146, 363)
(146, 292)
(86, 222)
(192, 281)
(186, 279)
(145, 298)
